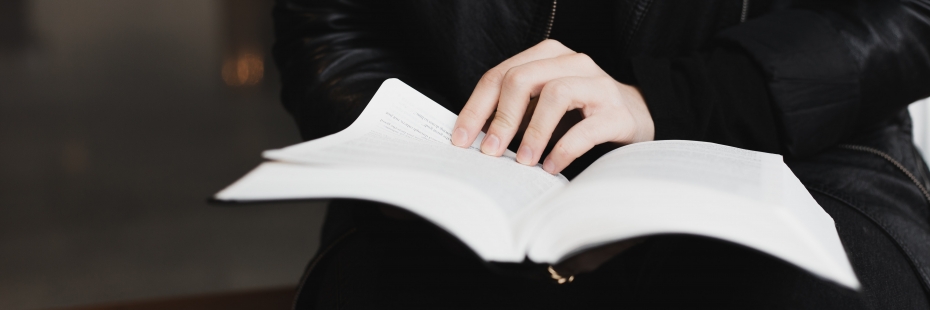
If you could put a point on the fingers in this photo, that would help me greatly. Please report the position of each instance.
(526, 81)
(556, 98)
(603, 120)
(562, 80)
(577, 141)
(484, 98)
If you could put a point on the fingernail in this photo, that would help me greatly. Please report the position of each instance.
(490, 144)
(459, 136)
(549, 166)
(524, 155)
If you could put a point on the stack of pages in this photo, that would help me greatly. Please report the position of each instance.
(399, 152)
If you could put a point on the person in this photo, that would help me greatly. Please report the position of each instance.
(824, 83)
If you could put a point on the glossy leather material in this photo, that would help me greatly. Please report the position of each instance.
(835, 69)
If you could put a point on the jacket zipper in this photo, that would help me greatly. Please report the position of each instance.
(894, 162)
(551, 20)
(744, 12)
(646, 5)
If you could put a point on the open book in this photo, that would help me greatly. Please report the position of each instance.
(399, 152)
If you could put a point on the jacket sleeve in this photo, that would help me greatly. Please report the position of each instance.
(333, 55)
(795, 81)
(719, 95)
(838, 67)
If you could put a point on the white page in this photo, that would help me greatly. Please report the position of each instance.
(737, 171)
(402, 128)
(460, 210)
(819, 226)
(396, 110)
(690, 188)
(399, 152)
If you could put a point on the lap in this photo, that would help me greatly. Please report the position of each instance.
(385, 262)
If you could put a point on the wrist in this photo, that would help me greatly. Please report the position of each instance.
(643, 126)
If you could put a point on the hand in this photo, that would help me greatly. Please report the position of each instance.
(563, 80)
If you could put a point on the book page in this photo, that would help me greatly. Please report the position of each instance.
(404, 129)
(753, 175)
(687, 187)
(399, 152)
(461, 210)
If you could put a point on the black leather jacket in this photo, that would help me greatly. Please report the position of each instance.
(831, 67)
(832, 72)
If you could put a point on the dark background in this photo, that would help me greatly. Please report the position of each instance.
(117, 119)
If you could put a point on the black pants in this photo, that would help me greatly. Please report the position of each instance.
(371, 261)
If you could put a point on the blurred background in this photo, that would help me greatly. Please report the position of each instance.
(117, 120)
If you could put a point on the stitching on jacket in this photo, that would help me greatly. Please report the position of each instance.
(893, 162)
